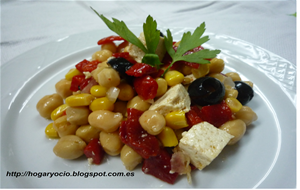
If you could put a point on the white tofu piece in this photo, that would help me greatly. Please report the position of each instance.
(175, 99)
(203, 143)
(138, 54)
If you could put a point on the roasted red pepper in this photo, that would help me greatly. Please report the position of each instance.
(87, 66)
(159, 166)
(145, 86)
(79, 82)
(95, 151)
(216, 114)
(109, 39)
(193, 116)
(132, 134)
(140, 69)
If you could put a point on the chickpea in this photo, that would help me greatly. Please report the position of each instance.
(69, 147)
(130, 158)
(111, 46)
(63, 127)
(121, 107)
(236, 128)
(108, 77)
(111, 142)
(246, 114)
(87, 133)
(218, 76)
(138, 103)
(78, 115)
(202, 70)
(216, 65)
(48, 104)
(234, 76)
(105, 120)
(63, 88)
(126, 92)
(230, 92)
(99, 68)
(152, 122)
(249, 83)
(102, 55)
(162, 86)
(185, 69)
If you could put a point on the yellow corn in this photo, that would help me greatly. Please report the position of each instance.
(98, 91)
(79, 100)
(168, 137)
(73, 72)
(174, 77)
(233, 104)
(102, 104)
(176, 120)
(59, 111)
(50, 131)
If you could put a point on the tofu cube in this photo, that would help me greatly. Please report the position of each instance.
(203, 143)
(175, 99)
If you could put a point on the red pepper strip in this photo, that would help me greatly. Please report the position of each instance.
(132, 134)
(193, 116)
(76, 82)
(79, 66)
(160, 166)
(124, 55)
(140, 69)
(84, 83)
(95, 151)
(92, 65)
(157, 74)
(216, 114)
(145, 86)
(109, 39)
(79, 82)
(87, 66)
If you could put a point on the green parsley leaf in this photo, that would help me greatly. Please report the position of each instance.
(189, 41)
(122, 30)
(151, 34)
(151, 59)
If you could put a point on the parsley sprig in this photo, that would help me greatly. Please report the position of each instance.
(152, 36)
(188, 42)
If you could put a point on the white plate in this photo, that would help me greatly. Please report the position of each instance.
(265, 157)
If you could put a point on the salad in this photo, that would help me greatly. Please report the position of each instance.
(163, 104)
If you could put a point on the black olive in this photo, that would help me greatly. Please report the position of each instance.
(245, 92)
(121, 65)
(206, 91)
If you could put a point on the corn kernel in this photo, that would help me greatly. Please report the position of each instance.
(59, 111)
(174, 77)
(50, 131)
(176, 120)
(102, 104)
(73, 72)
(168, 137)
(233, 104)
(98, 91)
(79, 100)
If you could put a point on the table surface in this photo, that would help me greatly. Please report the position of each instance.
(29, 24)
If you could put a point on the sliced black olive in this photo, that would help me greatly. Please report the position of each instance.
(206, 91)
(121, 65)
(245, 92)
